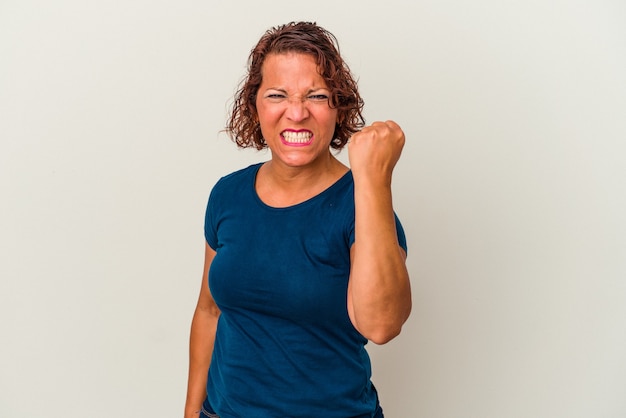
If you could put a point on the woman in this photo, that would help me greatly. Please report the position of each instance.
(305, 259)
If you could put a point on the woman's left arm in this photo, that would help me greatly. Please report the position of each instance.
(379, 290)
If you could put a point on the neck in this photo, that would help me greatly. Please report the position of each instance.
(281, 185)
(296, 176)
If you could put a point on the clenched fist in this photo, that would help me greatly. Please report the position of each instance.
(374, 151)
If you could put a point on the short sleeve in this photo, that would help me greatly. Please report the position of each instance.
(399, 232)
(210, 229)
(401, 235)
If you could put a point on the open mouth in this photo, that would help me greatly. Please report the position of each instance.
(298, 138)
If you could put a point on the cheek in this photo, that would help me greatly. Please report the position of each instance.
(267, 115)
(333, 120)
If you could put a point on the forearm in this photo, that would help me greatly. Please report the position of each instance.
(379, 294)
(203, 327)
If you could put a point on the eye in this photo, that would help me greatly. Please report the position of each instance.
(318, 97)
(275, 96)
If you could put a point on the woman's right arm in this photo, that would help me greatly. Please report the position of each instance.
(201, 342)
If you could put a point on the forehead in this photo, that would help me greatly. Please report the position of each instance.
(291, 69)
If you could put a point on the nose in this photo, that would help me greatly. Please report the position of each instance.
(297, 109)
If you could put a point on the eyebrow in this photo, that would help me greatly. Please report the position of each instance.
(313, 90)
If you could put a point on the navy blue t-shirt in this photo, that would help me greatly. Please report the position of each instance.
(285, 346)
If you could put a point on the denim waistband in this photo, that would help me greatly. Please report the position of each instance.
(207, 411)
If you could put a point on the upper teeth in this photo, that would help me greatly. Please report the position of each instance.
(297, 137)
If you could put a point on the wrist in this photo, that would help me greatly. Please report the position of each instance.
(192, 412)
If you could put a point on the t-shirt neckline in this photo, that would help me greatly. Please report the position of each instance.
(338, 183)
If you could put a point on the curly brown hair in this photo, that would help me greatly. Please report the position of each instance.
(302, 37)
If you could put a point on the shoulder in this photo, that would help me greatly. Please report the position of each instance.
(236, 180)
(242, 175)
(342, 190)
(233, 190)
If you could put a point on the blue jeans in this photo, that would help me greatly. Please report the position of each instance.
(207, 411)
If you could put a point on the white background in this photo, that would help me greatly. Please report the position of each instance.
(512, 189)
